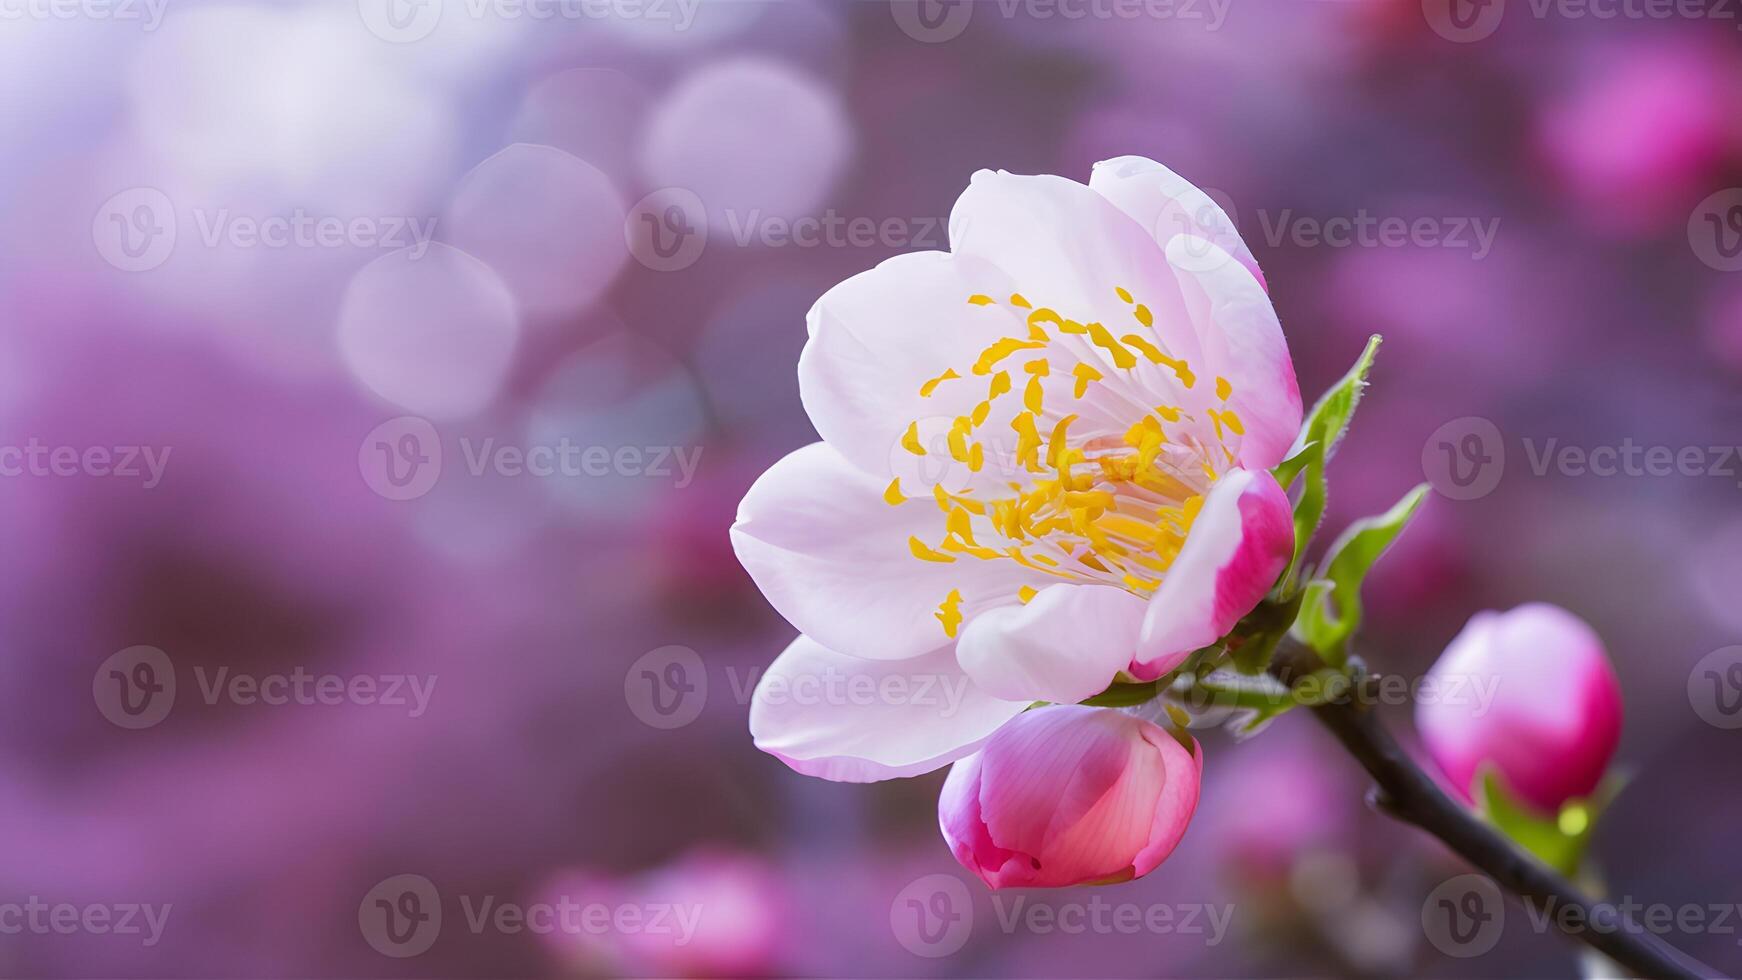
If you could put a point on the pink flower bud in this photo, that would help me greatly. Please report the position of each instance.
(1070, 795)
(1529, 692)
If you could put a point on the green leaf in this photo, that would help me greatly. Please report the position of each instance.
(1331, 610)
(1318, 439)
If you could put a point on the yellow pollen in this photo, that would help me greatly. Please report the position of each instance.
(1057, 444)
(1143, 315)
(1038, 367)
(976, 457)
(926, 389)
(924, 552)
(893, 495)
(1084, 374)
(1031, 395)
(1168, 412)
(1102, 337)
(1000, 349)
(980, 299)
(1026, 594)
(1027, 442)
(978, 417)
(1223, 388)
(910, 441)
(949, 612)
(1124, 294)
(1000, 385)
(1017, 299)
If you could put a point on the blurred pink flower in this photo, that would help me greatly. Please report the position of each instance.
(1070, 795)
(1634, 144)
(1144, 521)
(720, 914)
(1554, 717)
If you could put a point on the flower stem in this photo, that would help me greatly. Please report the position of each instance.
(1406, 793)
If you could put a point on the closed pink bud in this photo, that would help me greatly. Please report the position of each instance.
(1070, 795)
(1529, 692)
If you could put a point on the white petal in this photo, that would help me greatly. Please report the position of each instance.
(878, 337)
(833, 558)
(1243, 343)
(1068, 643)
(837, 717)
(1168, 205)
(1068, 248)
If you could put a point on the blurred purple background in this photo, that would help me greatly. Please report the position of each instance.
(385, 375)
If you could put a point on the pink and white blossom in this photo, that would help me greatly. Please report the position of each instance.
(1044, 468)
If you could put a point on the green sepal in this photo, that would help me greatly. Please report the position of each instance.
(1318, 439)
(1558, 840)
(1330, 612)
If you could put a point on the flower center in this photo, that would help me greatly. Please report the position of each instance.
(1101, 484)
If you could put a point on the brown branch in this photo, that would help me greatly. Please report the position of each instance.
(1406, 793)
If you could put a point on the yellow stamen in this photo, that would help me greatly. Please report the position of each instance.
(924, 552)
(926, 389)
(910, 441)
(1084, 374)
(949, 612)
(893, 495)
